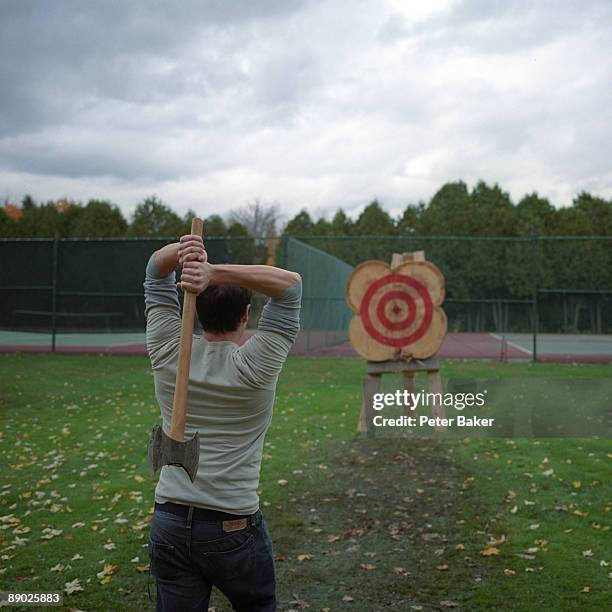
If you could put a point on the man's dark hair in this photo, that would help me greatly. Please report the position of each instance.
(221, 307)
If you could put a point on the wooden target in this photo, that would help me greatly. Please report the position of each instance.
(397, 310)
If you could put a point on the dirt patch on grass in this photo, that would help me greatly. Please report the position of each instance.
(377, 525)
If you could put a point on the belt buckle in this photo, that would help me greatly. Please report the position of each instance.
(235, 525)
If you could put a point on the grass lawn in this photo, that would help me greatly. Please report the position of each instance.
(358, 523)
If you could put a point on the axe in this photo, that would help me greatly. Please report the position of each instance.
(172, 450)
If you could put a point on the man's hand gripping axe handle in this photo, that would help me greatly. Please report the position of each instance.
(171, 450)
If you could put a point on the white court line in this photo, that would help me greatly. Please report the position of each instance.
(518, 347)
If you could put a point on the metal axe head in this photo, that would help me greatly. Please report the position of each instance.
(164, 450)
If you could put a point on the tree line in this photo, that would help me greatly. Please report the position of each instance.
(453, 210)
(103, 219)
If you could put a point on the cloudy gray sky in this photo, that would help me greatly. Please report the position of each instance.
(318, 104)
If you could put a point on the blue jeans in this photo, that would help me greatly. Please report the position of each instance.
(189, 556)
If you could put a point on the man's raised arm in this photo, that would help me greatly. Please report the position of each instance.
(162, 309)
(280, 315)
(268, 280)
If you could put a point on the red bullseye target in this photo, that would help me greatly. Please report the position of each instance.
(392, 297)
(409, 305)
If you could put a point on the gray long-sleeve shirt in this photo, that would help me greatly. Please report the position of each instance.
(230, 400)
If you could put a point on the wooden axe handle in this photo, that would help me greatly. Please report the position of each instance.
(179, 406)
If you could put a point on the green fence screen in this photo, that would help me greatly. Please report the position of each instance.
(325, 315)
(88, 284)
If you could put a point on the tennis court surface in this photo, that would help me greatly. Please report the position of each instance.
(557, 348)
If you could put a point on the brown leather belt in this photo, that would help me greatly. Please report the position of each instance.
(230, 522)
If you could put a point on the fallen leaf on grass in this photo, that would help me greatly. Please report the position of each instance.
(585, 589)
(489, 551)
(142, 568)
(442, 568)
(73, 587)
(107, 572)
(509, 572)
(49, 533)
(447, 603)
(367, 566)
(347, 598)
(304, 557)
(333, 538)
(354, 533)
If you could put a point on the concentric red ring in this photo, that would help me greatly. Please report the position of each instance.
(412, 309)
(403, 297)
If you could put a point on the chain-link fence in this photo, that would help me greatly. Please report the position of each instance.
(531, 285)
(86, 286)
